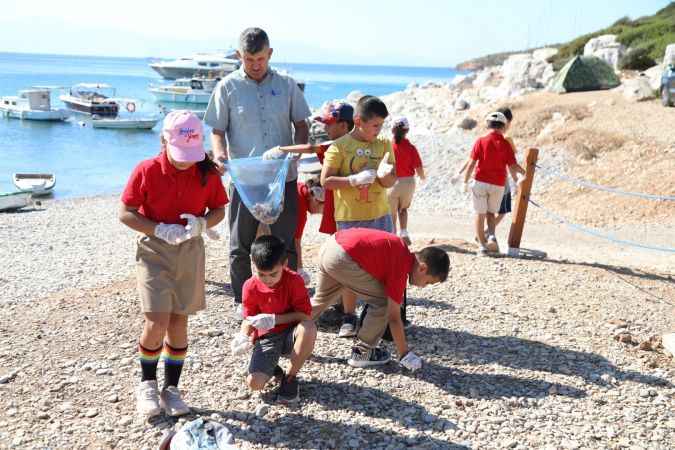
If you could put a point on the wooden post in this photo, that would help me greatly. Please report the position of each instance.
(522, 200)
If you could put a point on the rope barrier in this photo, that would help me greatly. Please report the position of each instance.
(595, 233)
(587, 184)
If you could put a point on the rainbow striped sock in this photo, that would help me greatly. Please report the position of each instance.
(173, 364)
(149, 359)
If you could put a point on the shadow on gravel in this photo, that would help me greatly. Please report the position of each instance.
(454, 249)
(218, 288)
(517, 353)
(293, 430)
(427, 303)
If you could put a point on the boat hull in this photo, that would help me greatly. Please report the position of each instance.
(84, 107)
(53, 115)
(174, 73)
(123, 124)
(172, 97)
(34, 184)
(13, 201)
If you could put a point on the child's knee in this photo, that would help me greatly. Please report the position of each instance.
(308, 329)
(256, 381)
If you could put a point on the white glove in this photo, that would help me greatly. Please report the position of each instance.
(306, 277)
(240, 344)
(411, 361)
(362, 178)
(384, 168)
(273, 153)
(262, 322)
(195, 225)
(171, 233)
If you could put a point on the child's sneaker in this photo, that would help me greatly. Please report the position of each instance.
(482, 250)
(172, 403)
(289, 391)
(368, 357)
(403, 234)
(348, 328)
(147, 399)
(492, 244)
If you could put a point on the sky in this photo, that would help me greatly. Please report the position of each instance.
(438, 33)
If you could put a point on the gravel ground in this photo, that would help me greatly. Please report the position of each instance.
(532, 353)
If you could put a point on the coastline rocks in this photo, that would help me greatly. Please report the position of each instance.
(653, 75)
(462, 105)
(638, 89)
(543, 54)
(607, 48)
(669, 56)
(467, 123)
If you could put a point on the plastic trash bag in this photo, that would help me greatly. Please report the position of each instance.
(260, 184)
(202, 435)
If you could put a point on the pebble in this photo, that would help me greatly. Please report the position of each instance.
(91, 412)
(104, 372)
(113, 398)
(125, 421)
(262, 410)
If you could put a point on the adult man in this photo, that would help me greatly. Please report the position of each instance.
(251, 110)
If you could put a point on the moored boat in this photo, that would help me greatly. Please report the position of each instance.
(185, 90)
(198, 65)
(32, 104)
(35, 183)
(91, 98)
(14, 200)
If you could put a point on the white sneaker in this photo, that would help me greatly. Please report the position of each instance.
(238, 312)
(147, 399)
(403, 234)
(172, 403)
(492, 244)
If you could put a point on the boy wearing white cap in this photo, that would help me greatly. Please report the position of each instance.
(171, 199)
(492, 154)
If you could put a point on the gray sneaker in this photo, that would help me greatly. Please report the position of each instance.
(289, 390)
(482, 251)
(348, 328)
(492, 244)
(368, 357)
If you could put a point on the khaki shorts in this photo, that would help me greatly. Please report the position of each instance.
(337, 270)
(170, 278)
(486, 197)
(401, 194)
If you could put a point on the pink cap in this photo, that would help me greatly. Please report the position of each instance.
(184, 134)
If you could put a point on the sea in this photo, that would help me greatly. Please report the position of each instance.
(88, 161)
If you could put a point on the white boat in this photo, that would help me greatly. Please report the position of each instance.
(123, 124)
(201, 64)
(35, 183)
(131, 116)
(91, 98)
(14, 200)
(185, 90)
(31, 104)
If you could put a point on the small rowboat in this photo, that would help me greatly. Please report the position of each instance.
(35, 183)
(14, 200)
(124, 124)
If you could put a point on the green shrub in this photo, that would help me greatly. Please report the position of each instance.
(637, 59)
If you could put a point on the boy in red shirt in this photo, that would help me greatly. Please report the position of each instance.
(377, 266)
(492, 154)
(277, 318)
(408, 164)
(167, 199)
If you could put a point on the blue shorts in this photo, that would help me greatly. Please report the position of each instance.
(383, 223)
(505, 207)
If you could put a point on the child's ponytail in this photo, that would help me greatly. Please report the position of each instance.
(205, 167)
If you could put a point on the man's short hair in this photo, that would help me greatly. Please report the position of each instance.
(437, 261)
(370, 106)
(253, 40)
(268, 251)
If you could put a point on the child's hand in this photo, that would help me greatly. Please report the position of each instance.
(411, 361)
(262, 321)
(384, 168)
(273, 153)
(363, 178)
(240, 344)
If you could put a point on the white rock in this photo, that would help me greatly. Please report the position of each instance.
(544, 53)
(262, 410)
(669, 55)
(637, 89)
(654, 74)
(91, 412)
(607, 48)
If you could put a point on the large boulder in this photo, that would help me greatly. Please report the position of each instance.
(607, 48)
(669, 57)
(523, 73)
(653, 75)
(637, 89)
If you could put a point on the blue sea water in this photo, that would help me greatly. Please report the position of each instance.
(90, 161)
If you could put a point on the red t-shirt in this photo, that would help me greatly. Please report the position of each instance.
(288, 295)
(494, 154)
(407, 158)
(162, 193)
(328, 225)
(383, 255)
(303, 209)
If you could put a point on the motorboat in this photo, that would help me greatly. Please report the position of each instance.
(35, 183)
(185, 90)
(198, 65)
(131, 116)
(14, 200)
(32, 104)
(91, 98)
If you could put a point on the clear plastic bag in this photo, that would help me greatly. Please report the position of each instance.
(260, 184)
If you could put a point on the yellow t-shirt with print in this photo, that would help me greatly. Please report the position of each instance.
(350, 156)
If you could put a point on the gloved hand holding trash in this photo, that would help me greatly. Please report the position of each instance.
(197, 225)
(385, 169)
(363, 178)
(262, 322)
(240, 344)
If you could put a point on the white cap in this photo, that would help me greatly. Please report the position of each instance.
(496, 117)
(401, 122)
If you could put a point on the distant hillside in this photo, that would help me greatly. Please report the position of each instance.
(653, 33)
